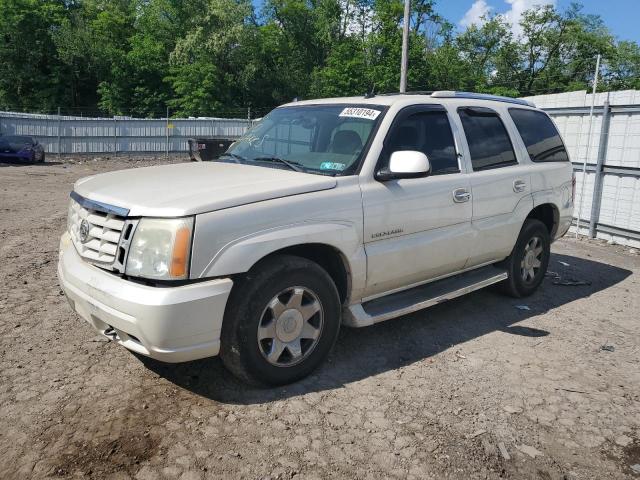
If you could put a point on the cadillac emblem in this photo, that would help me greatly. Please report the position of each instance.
(84, 231)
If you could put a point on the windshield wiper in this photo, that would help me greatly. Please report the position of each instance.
(234, 155)
(292, 165)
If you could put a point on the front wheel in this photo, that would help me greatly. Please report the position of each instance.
(281, 321)
(528, 261)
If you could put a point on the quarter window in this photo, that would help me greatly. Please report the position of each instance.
(539, 135)
(488, 140)
(428, 132)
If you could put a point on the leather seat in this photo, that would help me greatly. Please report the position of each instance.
(346, 142)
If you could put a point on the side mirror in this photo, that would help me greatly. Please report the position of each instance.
(405, 164)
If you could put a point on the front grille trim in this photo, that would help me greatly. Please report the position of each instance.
(106, 226)
(99, 206)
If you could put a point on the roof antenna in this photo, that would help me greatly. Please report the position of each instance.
(371, 93)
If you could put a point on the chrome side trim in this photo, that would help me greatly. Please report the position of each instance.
(99, 206)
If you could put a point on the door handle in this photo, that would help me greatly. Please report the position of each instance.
(519, 186)
(461, 195)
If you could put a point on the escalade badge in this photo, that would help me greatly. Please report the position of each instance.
(84, 231)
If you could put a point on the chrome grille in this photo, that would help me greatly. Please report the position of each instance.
(101, 244)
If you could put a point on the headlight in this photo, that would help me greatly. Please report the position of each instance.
(161, 248)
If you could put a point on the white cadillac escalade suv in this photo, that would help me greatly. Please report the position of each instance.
(327, 212)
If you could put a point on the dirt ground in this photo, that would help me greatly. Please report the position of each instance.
(473, 388)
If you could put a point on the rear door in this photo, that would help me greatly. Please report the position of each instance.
(500, 184)
(417, 229)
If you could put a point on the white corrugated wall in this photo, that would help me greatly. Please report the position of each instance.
(620, 198)
(107, 135)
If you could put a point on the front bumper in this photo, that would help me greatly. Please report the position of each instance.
(31, 156)
(171, 324)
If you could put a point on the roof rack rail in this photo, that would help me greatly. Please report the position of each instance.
(480, 96)
(414, 92)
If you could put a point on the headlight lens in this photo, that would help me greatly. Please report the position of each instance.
(161, 248)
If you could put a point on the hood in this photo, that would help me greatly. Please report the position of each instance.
(190, 188)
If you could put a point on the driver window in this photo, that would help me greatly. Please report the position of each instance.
(429, 133)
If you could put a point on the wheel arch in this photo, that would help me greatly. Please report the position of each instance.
(549, 215)
(335, 246)
(330, 258)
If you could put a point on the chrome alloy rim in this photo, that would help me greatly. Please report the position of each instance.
(290, 326)
(532, 260)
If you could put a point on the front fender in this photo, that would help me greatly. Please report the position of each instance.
(241, 254)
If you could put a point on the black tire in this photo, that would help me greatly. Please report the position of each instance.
(516, 285)
(249, 308)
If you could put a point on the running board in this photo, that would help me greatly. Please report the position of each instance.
(423, 296)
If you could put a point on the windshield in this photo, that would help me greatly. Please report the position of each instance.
(321, 139)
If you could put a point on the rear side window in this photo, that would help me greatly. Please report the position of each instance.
(539, 135)
(488, 140)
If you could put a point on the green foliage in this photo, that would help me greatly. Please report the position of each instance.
(218, 57)
(30, 71)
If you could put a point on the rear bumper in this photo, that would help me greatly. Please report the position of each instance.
(171, 324)
(563, 226)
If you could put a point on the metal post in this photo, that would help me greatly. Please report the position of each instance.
(58, 133)
(405, 47)
(248, 118)
(167, 134)
(584, 164)
(597, 182)
(115, 136)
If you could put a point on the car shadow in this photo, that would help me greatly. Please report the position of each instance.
(361, 353)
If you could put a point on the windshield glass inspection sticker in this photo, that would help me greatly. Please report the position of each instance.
(359, 112)
(332, 166)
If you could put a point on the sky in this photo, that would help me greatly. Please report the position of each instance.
(619, 15)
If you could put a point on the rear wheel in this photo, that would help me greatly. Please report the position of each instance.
(281, 321)
(528, 261)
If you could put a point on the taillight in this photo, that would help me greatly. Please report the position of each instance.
(573, 188)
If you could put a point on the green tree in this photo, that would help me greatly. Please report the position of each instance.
(31, 74)
(217, 57)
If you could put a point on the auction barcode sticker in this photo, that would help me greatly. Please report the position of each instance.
(359, 112)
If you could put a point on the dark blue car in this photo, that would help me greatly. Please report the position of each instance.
(21, 147)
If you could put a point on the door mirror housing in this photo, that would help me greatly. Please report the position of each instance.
(405, 164)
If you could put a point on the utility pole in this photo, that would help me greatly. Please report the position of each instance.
(584, 164)
(405, 47)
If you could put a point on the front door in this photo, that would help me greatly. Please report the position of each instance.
(417, 229)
